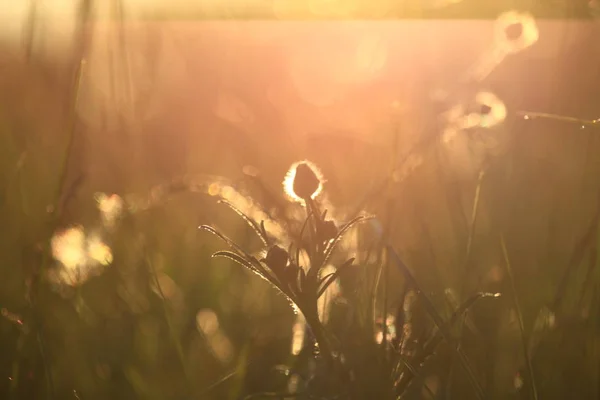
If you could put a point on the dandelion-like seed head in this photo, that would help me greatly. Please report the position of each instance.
(492, 110)
(303, 180)
(516, 31)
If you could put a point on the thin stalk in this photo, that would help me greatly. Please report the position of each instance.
(511, 278)
(474, 212)
(385, 304)
(437, 319)
(60, 195)
(240, 368)
(30, 29)
(169, 321)
(595, 123)
(588, 240)
(311, 314)
(16, 366)
(47, 371)
(379, 263)
(415, 373)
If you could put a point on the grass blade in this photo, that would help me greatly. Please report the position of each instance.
(236, 258)
(520, 317)
(555, 117)
(437, 319)
(345, 228)
(329, 279)
(473, 221)
(224, 238)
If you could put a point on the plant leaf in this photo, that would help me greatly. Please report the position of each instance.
(517, 305)
(235, 257)
(248, 257)
(258, 229)
(330, 278)
(463, 308)
(224, 238)
(345, 228)
(264, 231)
(254, 268)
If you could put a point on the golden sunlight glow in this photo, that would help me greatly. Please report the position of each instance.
(324, 302)
(371, 56)
(290, 176)
(68, 247)
(412, 162)
(298, 333)
(98, 251)
(390, 324)
(79, 256)
(110, 206)
(207, 323)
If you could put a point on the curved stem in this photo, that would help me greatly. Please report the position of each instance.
(318, 331)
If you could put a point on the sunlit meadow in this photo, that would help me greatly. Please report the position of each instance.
(299, 199)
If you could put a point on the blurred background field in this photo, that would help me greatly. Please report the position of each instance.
(170, 105)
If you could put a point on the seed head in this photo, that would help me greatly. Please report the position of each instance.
(515, 31)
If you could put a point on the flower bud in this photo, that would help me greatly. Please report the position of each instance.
(291, 273)
(306, 182)
(303, 181)
(276, 259)
(327, 230)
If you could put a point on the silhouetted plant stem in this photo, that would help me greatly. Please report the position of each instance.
(517, 304)
(318, 330)
(473, 222)
(437, 319)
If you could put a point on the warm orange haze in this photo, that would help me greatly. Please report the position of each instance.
(311, 200)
